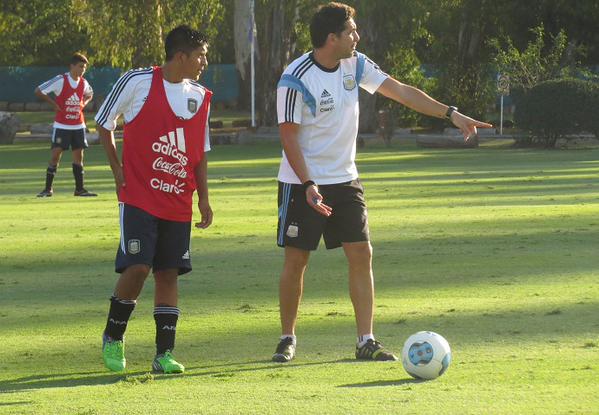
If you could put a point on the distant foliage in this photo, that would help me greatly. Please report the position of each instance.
(557, 108)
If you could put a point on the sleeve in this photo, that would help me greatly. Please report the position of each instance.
(87, 90)
(116, 103)
(289, 105)
(54, 85)
(372, 76)
(207, 137)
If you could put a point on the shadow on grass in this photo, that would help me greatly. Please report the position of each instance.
(72, 380)
(377, 383)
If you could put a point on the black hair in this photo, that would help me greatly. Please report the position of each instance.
(183, 39)
(329, 18)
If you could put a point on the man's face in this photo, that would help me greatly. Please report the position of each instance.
(195, 62)
(78, 69)
(347, 40)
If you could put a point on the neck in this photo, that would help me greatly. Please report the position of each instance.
(325, 58)
(171, 73)
(75, 77)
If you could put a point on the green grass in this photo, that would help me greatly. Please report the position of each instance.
(495, 249)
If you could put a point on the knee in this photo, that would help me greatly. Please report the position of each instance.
(137, 272)
(360, 254)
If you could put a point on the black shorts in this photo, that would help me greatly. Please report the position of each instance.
(301, 227)
(145, 239)
(64, 139)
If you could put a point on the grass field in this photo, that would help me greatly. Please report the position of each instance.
(496, 249)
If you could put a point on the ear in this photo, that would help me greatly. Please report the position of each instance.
(331, 38)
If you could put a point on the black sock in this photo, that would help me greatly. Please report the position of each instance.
(50, 173)
(166, 327)
(78, 173)
(118, 317)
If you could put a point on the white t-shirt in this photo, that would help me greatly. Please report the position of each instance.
(54, 86)
(130, 92)
(324, 102)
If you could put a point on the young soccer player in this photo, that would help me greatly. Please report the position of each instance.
(320, 193)
(163, 162)
(72, 93)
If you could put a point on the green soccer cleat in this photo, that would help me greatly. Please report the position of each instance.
(374, 350)
(113, 353)
(285, 351)
(166, 363)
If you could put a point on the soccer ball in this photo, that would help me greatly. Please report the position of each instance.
(426, 355)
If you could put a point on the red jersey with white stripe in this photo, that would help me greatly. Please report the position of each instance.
(160, 153)
(70, 101)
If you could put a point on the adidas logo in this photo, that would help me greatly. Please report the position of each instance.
(73, 100)
(185, 255)
(171, 139)
(325, 94)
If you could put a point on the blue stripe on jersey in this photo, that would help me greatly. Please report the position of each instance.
(283, 212)
(116, 92)
(360, 66)
(290, 81)
(50, 82)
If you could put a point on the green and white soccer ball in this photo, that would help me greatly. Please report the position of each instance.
(426, 355)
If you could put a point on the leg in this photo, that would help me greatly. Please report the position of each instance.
(55, 155)
(78, 173)
(166, 315)
(131, 281)
(78, 156)
(361, 284)
(291, 287)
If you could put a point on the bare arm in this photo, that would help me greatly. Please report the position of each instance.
(201, 178)
(47, 98)
(107, 139)
(419, 101)
(289, 133)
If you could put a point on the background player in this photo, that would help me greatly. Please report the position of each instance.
(72, 93)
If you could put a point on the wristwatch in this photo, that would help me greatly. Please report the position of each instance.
(307, 184)
(450, 111)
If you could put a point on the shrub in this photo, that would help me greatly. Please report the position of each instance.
(555, 109)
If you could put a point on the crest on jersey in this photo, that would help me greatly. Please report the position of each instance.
(134, 246)
(349, 82)
(192, 105)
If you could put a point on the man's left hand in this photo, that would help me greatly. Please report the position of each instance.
(467, 125)
(206, 214)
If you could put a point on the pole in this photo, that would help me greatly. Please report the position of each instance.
(501, 117)
(252, 68)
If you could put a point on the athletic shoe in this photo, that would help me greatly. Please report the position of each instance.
(166, 363)
(373, 350)
(113, 353)
(45, 193)
(285, 351)
(84, 193)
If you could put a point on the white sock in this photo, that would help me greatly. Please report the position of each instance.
(364, 338)
(292, 336)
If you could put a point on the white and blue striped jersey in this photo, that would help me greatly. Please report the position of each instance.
(130, 92)
(54, 86)
(324, 102)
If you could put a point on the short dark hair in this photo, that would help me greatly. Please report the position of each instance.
(78, 57)
(329, 18)
(183, 39)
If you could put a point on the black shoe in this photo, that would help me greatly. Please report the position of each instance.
(84, 193)
(373, 350)
(45, 193)
(285, 351)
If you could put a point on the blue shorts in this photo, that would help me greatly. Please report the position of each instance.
(147, 240)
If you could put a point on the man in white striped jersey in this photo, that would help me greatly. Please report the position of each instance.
(72, 93)
(320, 194)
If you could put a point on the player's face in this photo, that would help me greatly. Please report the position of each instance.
(347, 40)
(78, 69)
(196, 62)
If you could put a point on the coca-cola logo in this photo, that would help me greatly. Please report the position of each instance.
(176, 169)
